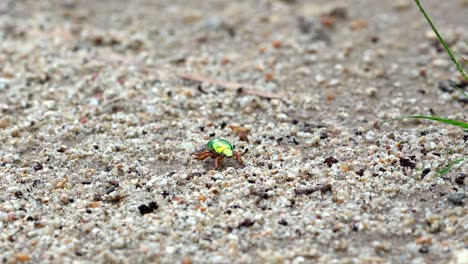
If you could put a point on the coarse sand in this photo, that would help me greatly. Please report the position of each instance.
(104, 103)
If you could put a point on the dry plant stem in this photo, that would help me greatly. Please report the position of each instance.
(245, 88)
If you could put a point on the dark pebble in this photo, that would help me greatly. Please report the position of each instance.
(110, 190)
(361, 172)
(295, 141)
(407, 163)
(61, 150)
(283, 222)
(246, 223)
(445, 86)
(374, 39)
(460, 179)
(146, 209)
(456, 198)
(153, 205)
(330, 161)
(38, 167)
(425, 172)
(424, 250)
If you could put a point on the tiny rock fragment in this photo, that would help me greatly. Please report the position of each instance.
(328, 21)
(401, 5)
(246, 223)
(61, 184)
(202, 198)
(407, 163)
(330, 161)
(146, 209)
(331, 96)
(323, 188)
(187, 93)
(283, 222)
(94, 204)
(269, 77)
(37, 167)
(424, 241)
(371, 91)
(424, 249)
(359, 24)
(456, 198)
(277, 44)
(241, 132)
(22, 257)
(425, 172)
(4, 123)
(186, 260)
(460, 179)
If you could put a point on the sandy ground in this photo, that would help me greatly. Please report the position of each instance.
(98, 125)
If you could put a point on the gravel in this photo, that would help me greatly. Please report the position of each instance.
(97, 132)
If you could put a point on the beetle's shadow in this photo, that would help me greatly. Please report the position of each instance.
(209, 164)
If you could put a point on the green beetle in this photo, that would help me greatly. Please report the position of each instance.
(219, 148)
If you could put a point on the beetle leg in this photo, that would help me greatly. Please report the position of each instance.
(218, 160)
(238, 158)
(205, 154)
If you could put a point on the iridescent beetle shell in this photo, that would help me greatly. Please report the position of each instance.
(221, 146)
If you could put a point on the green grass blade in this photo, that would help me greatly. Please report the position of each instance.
(459, 89)
(442, 41)
(447, 168)
(439, 119)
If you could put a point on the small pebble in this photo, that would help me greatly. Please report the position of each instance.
(456, 198)
(37, 167)
(402, 5)
(330, 161)
(461, 178)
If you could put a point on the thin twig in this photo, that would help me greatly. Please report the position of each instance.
(240, 87)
